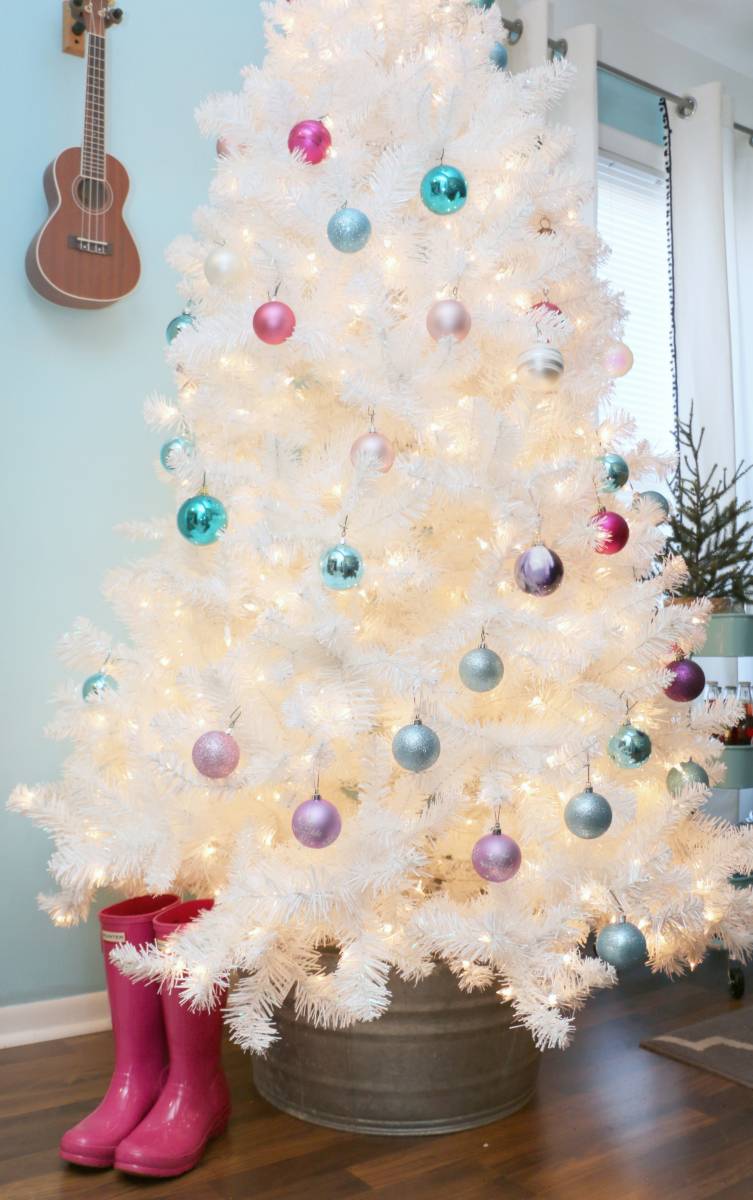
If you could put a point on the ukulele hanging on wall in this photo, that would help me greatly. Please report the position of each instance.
(84, 255)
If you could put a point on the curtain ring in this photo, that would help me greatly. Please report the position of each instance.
(557, 47)
(514, 30)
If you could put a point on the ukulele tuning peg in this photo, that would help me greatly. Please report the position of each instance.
(115, 16)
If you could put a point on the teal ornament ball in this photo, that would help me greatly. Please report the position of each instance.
(341, 567)
(202, 519)
(349, 230)
(498, 55)
(444, 189)
(481, 669)
(629, 747)
(656, 498)
(615, 472)
(96, 685)
(622, 945)
(684, 775)
(486, 4)
(416, 747)
(588, 815)
(179, 445)
(184, 320)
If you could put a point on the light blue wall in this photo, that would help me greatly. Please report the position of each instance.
(77, 458)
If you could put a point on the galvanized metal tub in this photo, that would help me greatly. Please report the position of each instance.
(439, 1060)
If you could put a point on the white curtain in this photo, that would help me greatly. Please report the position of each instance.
(738, 191)
(579, 108)
(532, 49)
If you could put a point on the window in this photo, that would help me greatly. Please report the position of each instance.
(632, 220)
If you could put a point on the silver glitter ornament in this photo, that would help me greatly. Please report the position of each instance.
(622, 945)
(416, 747)
(481, 669)
(588, 815)
(541, 367)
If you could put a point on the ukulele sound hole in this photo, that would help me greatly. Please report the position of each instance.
(93, 195)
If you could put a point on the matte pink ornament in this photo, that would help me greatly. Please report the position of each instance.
(316, 823)
(618, 360)
(615, 529)
(373, 448)
(216, 754)
(311, 138)
(496, 857)
(274, 322)
(688, 682)
(448, 318)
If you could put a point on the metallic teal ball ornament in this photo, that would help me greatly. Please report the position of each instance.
(656, 498)
(486, 4)
(416, 747)
(622, 945)
(481, 669)
(202, 519)
(685, 774)
(341, 567)
(181, 445)
(498, 56)
(588, 815)
(615, 472)
(444, 189)
(349, 230)
(629, 747)
(184, 320)
(97, 684)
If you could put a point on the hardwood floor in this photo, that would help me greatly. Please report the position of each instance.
(611, 1122)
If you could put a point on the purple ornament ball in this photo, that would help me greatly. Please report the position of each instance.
(311, 138)
(216, 754)
(374, 449)
(615, 529)
(688, 682)
(316, 823)
(496, 857)
(274, 322)
(539, 570)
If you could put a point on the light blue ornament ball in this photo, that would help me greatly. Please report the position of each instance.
(202, 519)
(629, 747)
(622, 945)
(656, 498)
(96, 685)
(481, 669)
(499, 56)
(444, 189)
(685, 774)
(416, 747)
(182, 445)
(615, 472)
(588, 815)
(182, 321)
(481, 3)
(349, 230)
(341, 567)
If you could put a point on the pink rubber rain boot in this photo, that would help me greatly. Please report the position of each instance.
(195, 1103)
(140, 1048)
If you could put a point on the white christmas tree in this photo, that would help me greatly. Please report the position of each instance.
(393, 244)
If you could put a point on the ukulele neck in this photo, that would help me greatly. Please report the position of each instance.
(93, 159)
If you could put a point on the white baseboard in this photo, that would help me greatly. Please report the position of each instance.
(46, 1020)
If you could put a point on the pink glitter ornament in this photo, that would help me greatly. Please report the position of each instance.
(311, 138)
(496, 857)
(618, 360)
(688, 682)
(373, 449)
(274, 322)
(216, 754)
(615, 529)
(316, 823)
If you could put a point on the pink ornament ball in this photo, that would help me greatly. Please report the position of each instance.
(448, 318)
(373, 449)
(546, 308)
(615, 529)
(311, 138)
(274, 322)
(496, 857)
(316, 823)
(216, 754)
(618, 360)
(688, 681)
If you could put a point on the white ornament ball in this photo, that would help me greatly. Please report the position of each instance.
(222, 267)
(373, 449)
(448, 318)
(541, 367)
(618, 360)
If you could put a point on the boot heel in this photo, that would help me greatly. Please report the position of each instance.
(219, 1125)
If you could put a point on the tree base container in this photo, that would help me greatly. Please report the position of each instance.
(439, 1060)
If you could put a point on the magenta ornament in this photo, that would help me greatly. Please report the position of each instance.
(311, 138)
(688, 681)
(448, 318)
(274, 322)
(496, 857)
(373, 449)
(615, 529)
(216, 754)
(618, 360)
(316, 823)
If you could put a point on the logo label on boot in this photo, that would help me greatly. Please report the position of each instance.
(113, 935)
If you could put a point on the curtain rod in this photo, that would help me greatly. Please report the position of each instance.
(686, 105)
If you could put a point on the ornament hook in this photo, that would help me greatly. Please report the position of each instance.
(234, 718)
(372, 415)
(343, 529)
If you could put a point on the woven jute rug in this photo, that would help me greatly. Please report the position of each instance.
(722, 1045)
